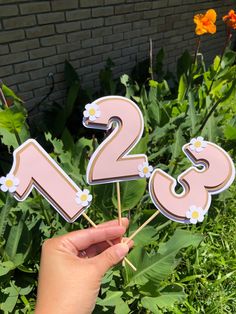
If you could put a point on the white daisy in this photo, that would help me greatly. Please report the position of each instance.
(92, 111)
(9, 183)
(144, 170)
(195, 214)
(198, 144)
(83, 197)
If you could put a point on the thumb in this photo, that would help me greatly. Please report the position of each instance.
(110, 257)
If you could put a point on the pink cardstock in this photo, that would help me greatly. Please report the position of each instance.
(198, 185)
(111, 161)
(34, 168)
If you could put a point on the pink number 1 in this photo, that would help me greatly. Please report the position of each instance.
(34, 168)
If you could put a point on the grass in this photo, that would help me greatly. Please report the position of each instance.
(209, 273)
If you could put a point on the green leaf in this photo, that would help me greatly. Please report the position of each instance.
(113, 298)
(182, 88)
(71, 98)
(228, 59)
(192, 112)
(184, 64)
(4, 213)
(6, 267)
(70, 74)
(216, 63)
(18, 243)
(102, 199)
(179, 141)
(145, 236)
(159, 64)
(11, 299)
(150, 304)
(154, 113)
(167, 299)
(211, 131)
(13, 122)
(158, 267)
(131, 87)
(9, 139)
(141, 147)
(65, 157)
(8, 93)
(83, 149)
(230, 132)
(107, 83)
(131, 193)
(67, 139)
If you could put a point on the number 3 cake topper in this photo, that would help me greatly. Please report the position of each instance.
(193, 203)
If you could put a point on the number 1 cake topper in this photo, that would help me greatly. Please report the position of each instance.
(111, 161)
(34, 168)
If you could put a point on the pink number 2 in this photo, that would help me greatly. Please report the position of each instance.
(34, 168)
(192, 204)
(111, 162)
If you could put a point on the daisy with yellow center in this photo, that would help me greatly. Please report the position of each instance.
(195, 214)
(145, 170)
(9, 183)
(198, 144)
(83, 197)
(92, 111)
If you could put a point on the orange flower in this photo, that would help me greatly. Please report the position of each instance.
(205, 23)
(230, 19)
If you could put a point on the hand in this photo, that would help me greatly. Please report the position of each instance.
(73, 265)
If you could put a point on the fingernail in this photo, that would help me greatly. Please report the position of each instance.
(121, 250)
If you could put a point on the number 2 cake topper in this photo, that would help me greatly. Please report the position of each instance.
(111, 161)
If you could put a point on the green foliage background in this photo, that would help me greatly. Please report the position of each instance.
(181, 268)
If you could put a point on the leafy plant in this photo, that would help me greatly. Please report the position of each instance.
(181, 269)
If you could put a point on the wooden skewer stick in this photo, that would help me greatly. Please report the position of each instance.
(118, 202)
(108, 241)
(3, 97)
(119, 210)
(142, 226)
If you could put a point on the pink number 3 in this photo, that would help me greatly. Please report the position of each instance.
(190, 206)
(111, 162)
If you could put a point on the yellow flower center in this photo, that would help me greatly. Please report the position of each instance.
(92, 111)
(198, 144)
(195, 215)
(83, 197)
(145, 170)
(9, 183)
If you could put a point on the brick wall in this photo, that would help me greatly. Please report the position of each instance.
(37, 36)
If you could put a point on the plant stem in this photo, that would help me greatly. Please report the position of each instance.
(17, 137)
(45, 213)
(228, 38)
(213, 108)
(150, 58)
(204, 122)
(197, 50)
(118, 202)
(190, 78)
